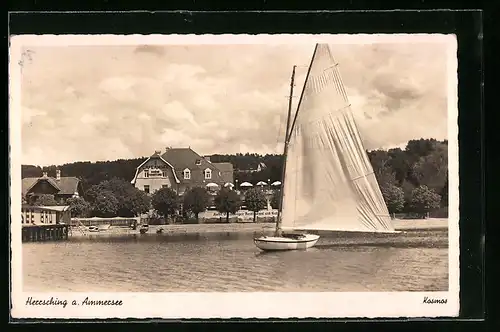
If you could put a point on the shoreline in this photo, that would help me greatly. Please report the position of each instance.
(244, 228)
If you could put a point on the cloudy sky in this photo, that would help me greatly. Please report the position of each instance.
(109, 102)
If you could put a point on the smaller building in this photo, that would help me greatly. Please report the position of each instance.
(260, 167)
(45, 215)
(62, 187)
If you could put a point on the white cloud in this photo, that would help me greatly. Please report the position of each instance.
(217, 99)
(144, 117)
(89, 118)
(30, 113)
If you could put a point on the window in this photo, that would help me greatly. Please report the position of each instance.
(22, 218)
(146, 173)
(208, 174)
(198, 162)
(41, 216)
(187, 174)
(146, 189)
(164, 174)
(50, 217)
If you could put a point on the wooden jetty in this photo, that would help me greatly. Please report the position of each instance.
(37, 233)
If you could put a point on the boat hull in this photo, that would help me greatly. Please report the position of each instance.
(278, 243)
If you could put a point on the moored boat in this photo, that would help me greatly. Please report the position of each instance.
(144, 229)
(93, 229)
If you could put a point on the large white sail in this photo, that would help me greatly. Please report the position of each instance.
(329, 182)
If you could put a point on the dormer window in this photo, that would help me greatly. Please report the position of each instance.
(198, 162)
(146, 173)
(208, 174)
(187, 174)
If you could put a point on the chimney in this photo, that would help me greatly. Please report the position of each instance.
(58, 174)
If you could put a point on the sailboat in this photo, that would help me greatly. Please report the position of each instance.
(328, 183)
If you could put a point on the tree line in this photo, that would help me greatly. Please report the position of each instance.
(412, 180)
(117, 197)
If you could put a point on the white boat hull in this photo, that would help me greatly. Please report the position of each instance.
(275, 243)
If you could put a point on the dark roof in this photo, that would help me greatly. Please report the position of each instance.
(182, 158)
(226, 170)
(67, 185)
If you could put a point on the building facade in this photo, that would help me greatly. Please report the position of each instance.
(62, 187)
(181, 169)
(45, 215)
(155, 173)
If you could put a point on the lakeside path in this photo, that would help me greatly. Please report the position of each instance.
(241, 228)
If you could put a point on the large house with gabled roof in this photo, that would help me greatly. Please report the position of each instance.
(62, 187)
(180, 169)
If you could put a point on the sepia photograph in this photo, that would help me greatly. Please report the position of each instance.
(204, 176)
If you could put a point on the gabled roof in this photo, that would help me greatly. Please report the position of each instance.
(66, 185)
(182, 158)
(226, 171)
(153, 156)
(57, 208)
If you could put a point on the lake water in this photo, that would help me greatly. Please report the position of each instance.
(410, 261)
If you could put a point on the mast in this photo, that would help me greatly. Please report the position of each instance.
(288, 135)
(303, 89)
(285, 150)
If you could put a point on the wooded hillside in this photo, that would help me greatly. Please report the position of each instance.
(422, 162)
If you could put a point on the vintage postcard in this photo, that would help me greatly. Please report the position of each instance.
(234, 176)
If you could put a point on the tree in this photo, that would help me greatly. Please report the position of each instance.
(420, 147)
(78, 207)
(44, 200)
(385, 177)
(195, 201)
(165, 202)
(255, 200)
(275, 199)
(432, 169)
(424, 200)
(408, 188)
(378, 159)
(105, 204)
(131, 201)
(394, 198)
(444, 193)
(137, 202)
(227, 201)
(92, 193)
(399, 164)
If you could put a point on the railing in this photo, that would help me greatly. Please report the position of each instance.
(81, 227)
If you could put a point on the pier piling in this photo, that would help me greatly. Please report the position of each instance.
(38, 233)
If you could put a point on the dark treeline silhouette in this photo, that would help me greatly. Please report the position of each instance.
(424, 162)
(90, 173)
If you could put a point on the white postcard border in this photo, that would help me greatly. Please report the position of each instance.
(232, 305)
